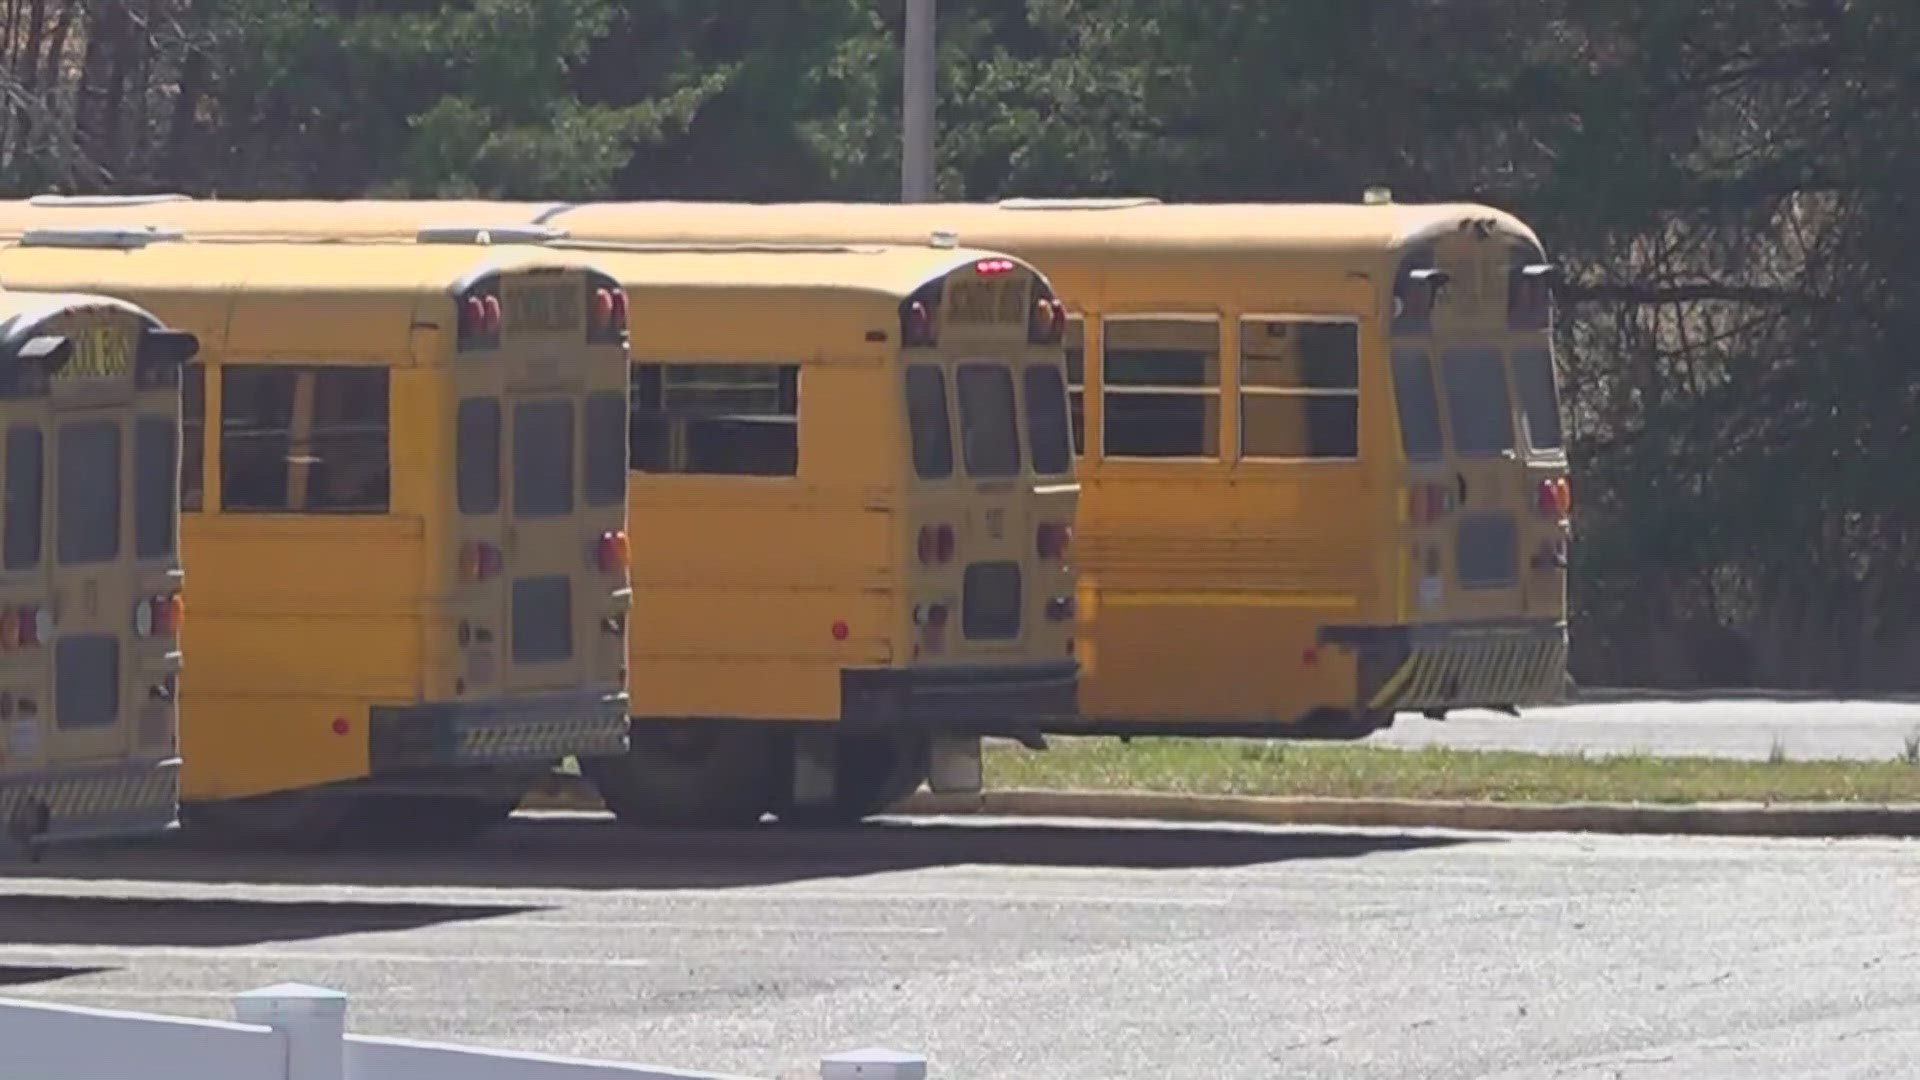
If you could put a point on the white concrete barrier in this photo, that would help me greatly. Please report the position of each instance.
(295, 1032)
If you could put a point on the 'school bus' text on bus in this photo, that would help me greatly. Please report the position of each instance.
(1324, 472)
(90, 571)
(405, 491)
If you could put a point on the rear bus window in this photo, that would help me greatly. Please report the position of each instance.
(87, 493)
(25, 468)
(717, 419)
(1539, 401)
(606, 449)
(1162, 385)
(989, 425)
(1418, 404)
(1300, 389)
(477, 455)
(1478, 407)
(347, 473)
(1047, 421)
(543, 458)
(156, 472)
(927, 422)
(193, 436)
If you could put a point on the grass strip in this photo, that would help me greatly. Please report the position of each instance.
(1260, 767)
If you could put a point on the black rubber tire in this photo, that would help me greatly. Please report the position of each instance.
(1343, 725)
(295, 820)
(871, 773)
(688, 776)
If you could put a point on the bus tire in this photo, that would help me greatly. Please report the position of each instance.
(299, 820)
(1344, 725)
(414, 821)
(687, 776)
(871, 773)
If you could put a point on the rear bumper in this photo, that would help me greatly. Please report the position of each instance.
(90, 802)
(1464, 665)
(982, 699)
(522, 729)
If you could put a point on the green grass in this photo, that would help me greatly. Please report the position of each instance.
(1243, 767)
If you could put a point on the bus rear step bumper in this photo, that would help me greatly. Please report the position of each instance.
(522, 729)
(974, 699)
(90, 802)
(1464, 665)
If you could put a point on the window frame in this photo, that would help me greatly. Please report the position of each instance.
(35, 557)
(1250, 390)
(1545, 348)
(1425, 351)
(1216, 390)
(300, 455)
(1031, 415)
(1015, 442)
(1454, 444)
(65, 539)
(938, 371)
(645, 424)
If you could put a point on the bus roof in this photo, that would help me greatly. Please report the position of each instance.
(1024, 226)
(336, 268)
(893, 270)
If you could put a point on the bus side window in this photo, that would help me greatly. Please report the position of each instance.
(193, 436)
(1162, 385)
(717, 419)
(25, 475)
(1300, 389)
(303, 440)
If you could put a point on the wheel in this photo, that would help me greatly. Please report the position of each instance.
(871, 773)
(414, 821)
(302, 820)
(1345, 725)
(688, 776)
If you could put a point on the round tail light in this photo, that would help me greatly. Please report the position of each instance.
(612, 552)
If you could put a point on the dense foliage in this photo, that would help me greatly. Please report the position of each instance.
(1731, 181)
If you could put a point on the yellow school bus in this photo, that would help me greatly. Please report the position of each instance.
(404, 484)
(1323, 466)
(852, 497)
(90, 571)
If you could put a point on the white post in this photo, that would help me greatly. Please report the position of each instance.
(873, 1064)
(313, 1020)
(917, 101)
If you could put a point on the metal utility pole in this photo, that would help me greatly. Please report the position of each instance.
(917, 97)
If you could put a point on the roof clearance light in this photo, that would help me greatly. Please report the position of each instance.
(989, 267)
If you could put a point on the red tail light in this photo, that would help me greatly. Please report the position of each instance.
(989, 267)
(473, 316)
(935, 545)
(1050, 541)
(1428, 503)
(24, 627)
(490, 314)
(916, 325)
(160, 616)
(1554, 497)
(602, 309)
(480, 561)
(1048, 322)
(611, 553)
(619, 309)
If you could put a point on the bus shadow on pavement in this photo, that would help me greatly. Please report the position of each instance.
(35, 919)
(583, 851)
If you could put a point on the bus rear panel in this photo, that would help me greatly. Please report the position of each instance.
(90, 574)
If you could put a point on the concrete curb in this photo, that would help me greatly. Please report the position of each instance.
(1707, 819)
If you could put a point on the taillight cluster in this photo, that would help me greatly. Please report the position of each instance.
(609, 309)
(611, 552)
(159, 616)
(1428, 503)
(936, 545)
(1048, 322)
(480, 316)
(480, 560)
(932, 617)
(1554, 497)
(1051, 540)
(24, 627)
